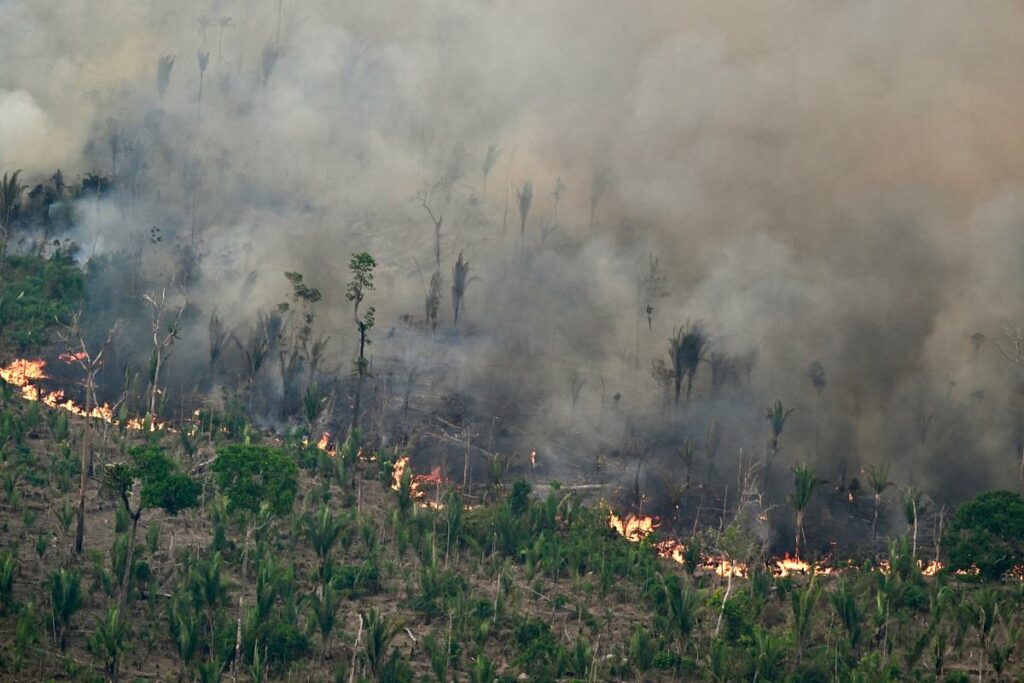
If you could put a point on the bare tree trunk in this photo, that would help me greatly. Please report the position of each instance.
(122, 597)
(84, 476)
(241, 597)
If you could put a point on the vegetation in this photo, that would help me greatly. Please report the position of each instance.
(331, 580)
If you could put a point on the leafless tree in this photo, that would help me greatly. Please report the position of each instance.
(90, 362)
(165, 324)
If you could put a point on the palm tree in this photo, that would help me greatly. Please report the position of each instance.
(684, 606)
(525, 198)
(686, 349)
(322, 532)
(849, 610)
(65, 601)
(325, 611)
(803, 602)
(203, 60)
(460, 281)
(878, 480)
(11, 189)
(163, 73)
(777, 415)
(109, 641)
(490, 158)
(804, 483)
(380, 630)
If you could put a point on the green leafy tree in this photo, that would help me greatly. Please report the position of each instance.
(160, 485)
(259, 483)
(361, 266)
(987, 533)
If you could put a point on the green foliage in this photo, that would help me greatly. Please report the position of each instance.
(8, 566)
(109, 640)
(252, 476)
(36, 293)
(987, 533)
(65, 600)
(163, 485)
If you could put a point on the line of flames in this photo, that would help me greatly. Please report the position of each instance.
(636, 528)
(23, 374)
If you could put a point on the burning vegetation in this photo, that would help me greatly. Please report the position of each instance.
(693, 420)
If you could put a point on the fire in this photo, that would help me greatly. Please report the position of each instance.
(22, 373)
(533, 458)
(76, 357)
(633, 528)
(417, 482)
(791, 565)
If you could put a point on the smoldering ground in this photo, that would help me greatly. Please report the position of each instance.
(818, 182)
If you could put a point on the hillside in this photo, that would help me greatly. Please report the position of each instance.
(513, 586)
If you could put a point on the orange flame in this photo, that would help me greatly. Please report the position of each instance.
(416, 482)
(22, 373)
(633, 528)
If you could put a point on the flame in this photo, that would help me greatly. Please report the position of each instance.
(22, 373)
(416, 482)
(633, 528)
(533, 458)
(74, 357)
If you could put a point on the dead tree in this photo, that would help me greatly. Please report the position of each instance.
(78, 352)
(163, 339)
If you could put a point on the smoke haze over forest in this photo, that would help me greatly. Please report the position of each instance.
(818, 181)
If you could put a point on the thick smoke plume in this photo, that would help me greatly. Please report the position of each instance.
(818, 181)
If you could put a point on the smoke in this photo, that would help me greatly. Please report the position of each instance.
(820, 181)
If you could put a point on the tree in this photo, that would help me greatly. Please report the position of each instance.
(913, 505)
(878, 480)
(323, 532)
(686, 349)
(90, 362)
(361, 266)
(684, 607)
(804, 483)
(108, 642)
(164, 66)
(65, 601)
(161, 485)
(490, 158)
(524, 196)
(460, 281)
(11, 189)
(163, 340)
(987, 533)
(777, 415)
(260, 483)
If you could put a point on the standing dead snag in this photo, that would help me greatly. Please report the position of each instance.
(163, 340)
(91, 364)
(362, 266)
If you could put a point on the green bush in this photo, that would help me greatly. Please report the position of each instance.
(987, 533)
